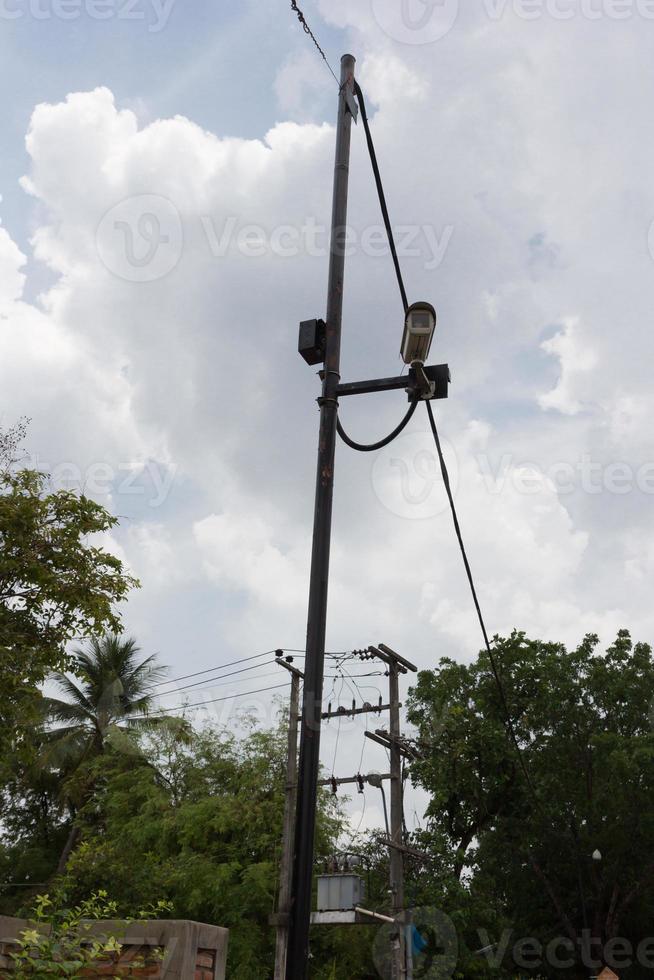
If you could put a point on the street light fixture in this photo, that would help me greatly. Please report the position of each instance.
(419, 327)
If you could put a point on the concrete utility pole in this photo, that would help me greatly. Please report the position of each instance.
(397, 747)
(396, 856)
(298, 950)
(286, 864)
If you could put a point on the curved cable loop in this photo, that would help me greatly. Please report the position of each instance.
(361, 448)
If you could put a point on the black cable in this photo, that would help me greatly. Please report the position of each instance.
(234, 663)
(330, 653)
(361, 448)
(210, 670)
(457, 527)
(210, 680)
(307, 30)
(210, 686)
(338, 733)
(446, 478)
(374, 447)
(510, 729)
(380, 192)
(200, 704)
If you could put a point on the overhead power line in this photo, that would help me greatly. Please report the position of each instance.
(209, 670)
(244, 660)
(307, 30)
(202, 704)
(209, 680)
(211, 683)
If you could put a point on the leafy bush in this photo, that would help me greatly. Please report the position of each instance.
(63, 942)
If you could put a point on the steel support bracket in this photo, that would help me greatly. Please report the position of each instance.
(422, 382)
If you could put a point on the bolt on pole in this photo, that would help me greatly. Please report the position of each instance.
(309, 767)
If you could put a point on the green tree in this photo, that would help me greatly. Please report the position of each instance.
(56, 585)
(521, 846)
(35, 825)
(199, 825)
(113, 691)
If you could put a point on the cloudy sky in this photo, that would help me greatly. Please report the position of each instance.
(166, 187)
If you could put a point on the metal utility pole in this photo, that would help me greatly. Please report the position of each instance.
(286, 868)
(298, 951)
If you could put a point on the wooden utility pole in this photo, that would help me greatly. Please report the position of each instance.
(286, 865)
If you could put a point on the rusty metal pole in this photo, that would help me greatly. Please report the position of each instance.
(286, 871)
(305, 825)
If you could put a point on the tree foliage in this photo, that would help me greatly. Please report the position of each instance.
(112, 688)
(194, 822)
(509, 838)
(112, 692)
(57, 583)
(522, 845)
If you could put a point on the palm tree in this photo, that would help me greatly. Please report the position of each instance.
(113, 692)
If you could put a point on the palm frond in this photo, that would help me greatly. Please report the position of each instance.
(64, 711)
(76, 695)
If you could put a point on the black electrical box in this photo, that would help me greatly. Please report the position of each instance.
(439, 375)
(312, 341)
